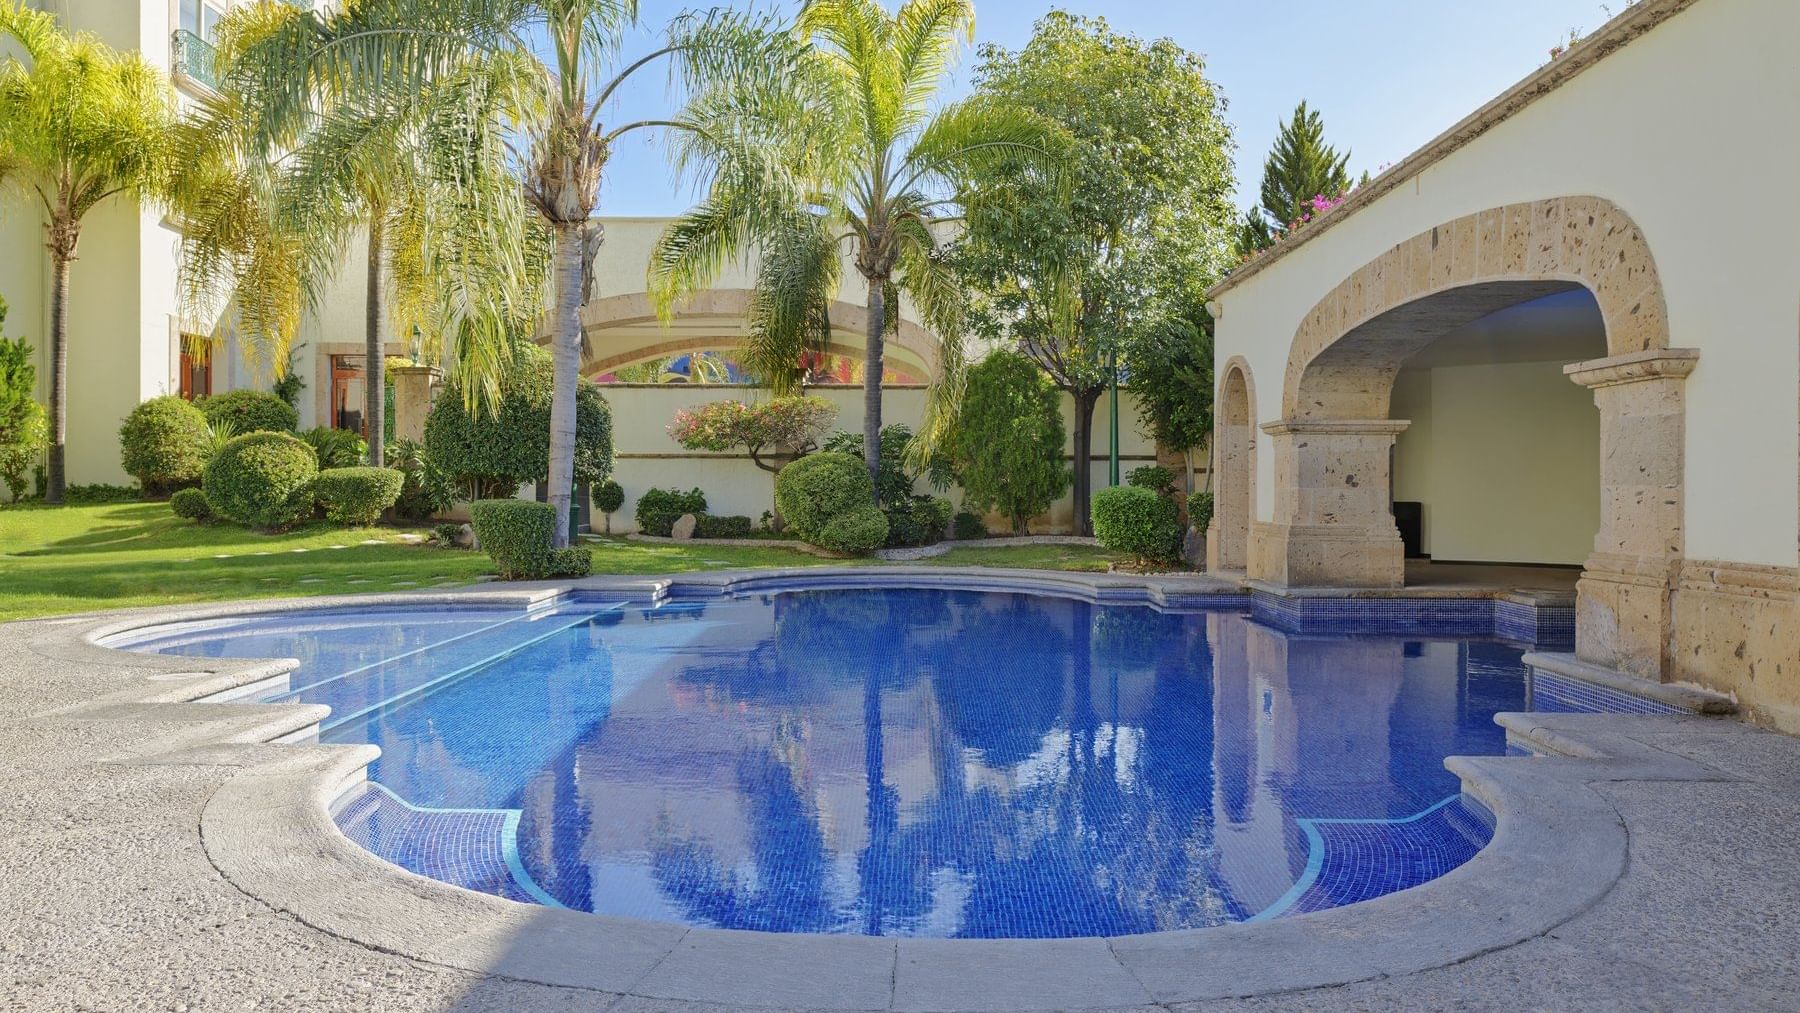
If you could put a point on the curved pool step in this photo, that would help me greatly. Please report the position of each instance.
(477, 849)
(1350, 860)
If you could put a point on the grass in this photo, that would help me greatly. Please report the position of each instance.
(80, 559)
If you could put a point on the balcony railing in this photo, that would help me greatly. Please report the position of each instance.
(192, 57)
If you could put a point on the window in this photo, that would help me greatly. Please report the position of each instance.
(196, 376)
(200, 17)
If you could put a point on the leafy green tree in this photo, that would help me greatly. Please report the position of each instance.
(496, 452)
(1006, 445)
(1171, 375)
(1073, 267)
(22, 430)
(79, 123)
(559, 64)
(850, 151)
(1300, 168)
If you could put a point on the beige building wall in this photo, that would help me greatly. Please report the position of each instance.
(1503, 457)
(1669, 128)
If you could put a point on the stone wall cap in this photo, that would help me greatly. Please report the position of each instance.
(1348, 427)
(1690, 698)
(1649, 364)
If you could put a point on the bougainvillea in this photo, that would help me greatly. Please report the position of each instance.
(782, 428)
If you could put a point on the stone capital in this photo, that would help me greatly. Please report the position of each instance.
(1634, 367)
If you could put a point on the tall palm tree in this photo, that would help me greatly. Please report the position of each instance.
(566, 59)
(271, 190)
(854, 154)
(79, 123)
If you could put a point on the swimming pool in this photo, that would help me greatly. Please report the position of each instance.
(895, 761)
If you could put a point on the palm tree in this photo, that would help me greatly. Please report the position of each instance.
(565, 60)
(271, 190)
(852, 154)
(79, 123)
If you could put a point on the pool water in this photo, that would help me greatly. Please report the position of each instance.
(897, 762)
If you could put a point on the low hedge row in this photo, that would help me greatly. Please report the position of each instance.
(357, 496)
(659, 509)
(516, 534)
(709, 526)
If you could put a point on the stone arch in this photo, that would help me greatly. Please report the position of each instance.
(1234, 469)
(1333, 522)
(635, 329)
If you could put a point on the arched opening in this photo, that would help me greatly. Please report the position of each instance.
(1334, 447)
(1234, 472)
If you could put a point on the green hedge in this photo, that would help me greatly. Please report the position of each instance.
(497, 451)
(1137, 522)
(251, 411)
(191, 504)
(516, 534)
(357, 496)
(1153, 477)
(163, 444)
(919, 520)
(263, 480)
(968, 525)
(337, 448)
(658, 509)
(856, 532)
(818, 489)
(723, 527)
(1200, 509)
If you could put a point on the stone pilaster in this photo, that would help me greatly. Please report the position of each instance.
(1334, 521)
(412, 400)
(1623, 613)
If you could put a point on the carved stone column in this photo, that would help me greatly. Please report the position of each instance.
(412, 400)
(1623, 617)
(1334, 520)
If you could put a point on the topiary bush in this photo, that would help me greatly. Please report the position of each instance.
(659, 509)
(191, 504)
(263, 480)
(357, 496)
(856, 532)
(251, 411)
(968, 525)
(723, 527)
(516, 534)
(1137, 522)
(817, 490)
(1007, 447)
(609, 496)
(1153, 477)
(497, 451)
(164, 443)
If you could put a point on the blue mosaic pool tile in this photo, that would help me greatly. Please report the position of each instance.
(470, 848)
(1553, 693)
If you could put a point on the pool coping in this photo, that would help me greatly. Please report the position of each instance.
(1558, 847)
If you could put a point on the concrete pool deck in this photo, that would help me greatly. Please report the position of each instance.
(164, 854)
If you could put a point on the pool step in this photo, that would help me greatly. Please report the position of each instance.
(476, 849)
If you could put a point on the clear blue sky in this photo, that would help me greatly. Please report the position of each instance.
(1388, 75)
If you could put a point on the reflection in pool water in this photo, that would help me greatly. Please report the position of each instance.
(903, 762)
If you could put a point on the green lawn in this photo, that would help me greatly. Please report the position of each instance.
(79, 559)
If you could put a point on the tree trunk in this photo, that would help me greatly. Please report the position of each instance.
(375, 356)
(565, 355)
(1085, 400)
(60, 255)
(872, 355)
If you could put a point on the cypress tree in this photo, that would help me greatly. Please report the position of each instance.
(1300, 167)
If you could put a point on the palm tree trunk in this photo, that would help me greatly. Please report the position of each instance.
(1085, 401)
(565, 355)
(872, 369)
(59, 369)
(374, 355)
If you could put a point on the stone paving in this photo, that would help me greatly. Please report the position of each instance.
(123, 804)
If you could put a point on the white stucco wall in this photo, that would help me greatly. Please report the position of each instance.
(1676, 130)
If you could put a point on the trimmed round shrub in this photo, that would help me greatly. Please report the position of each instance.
(164, 444)
(498, 451)
(856, 532)
(968, 525)
(1137, 522)
(263, 480)
(609, 496)
(251, 411)
(516, 534)
(357, 496)
(1153, 477)
(659, 509)
(191, 504)
(818, 489)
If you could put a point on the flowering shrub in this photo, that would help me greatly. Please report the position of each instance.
(783, 426)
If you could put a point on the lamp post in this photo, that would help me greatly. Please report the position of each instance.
(1112, 434)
